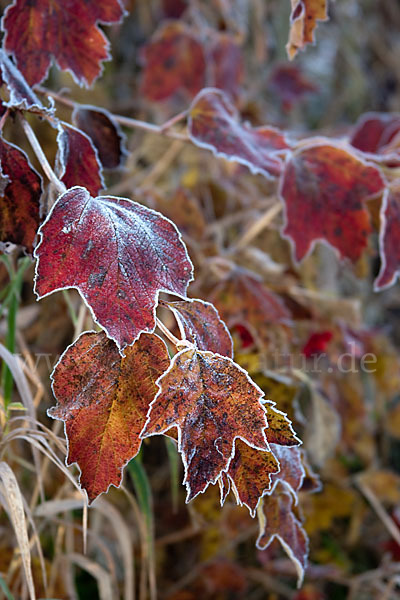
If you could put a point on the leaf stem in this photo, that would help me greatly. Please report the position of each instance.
(36, 147)
(163, 129)
(174, 340)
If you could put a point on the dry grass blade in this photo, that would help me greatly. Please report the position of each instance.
(15, 510)
(102, 577)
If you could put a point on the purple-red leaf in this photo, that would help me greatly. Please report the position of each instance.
(324, 187)
(20, 193)
(118, 254)
(200, 323)
(389, 237)
(103, 400)
(77, 160)
(214, 124)
(212, 402)
(173, 61)
(104, 132)
(226, 64)
(291, 472)
(373, 131)
(66, 31)
(278, 521)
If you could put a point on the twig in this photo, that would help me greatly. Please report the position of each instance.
(258, 226)
(379, 509)
(36, 147)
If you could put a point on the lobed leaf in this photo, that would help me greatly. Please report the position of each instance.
(105, 133)
(324, 187)
(118, 254)
(303, 21)
(389, 237)
(277, 520)
(200, 324)
(212, 402)
(67, 32)
(214, 124)
(20, 194)
(374, 130)
(103, 400)
(291, 472)
(173, 61)
(280, 430)
(77, 160)
(226, 61)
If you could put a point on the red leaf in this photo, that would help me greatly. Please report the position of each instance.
(37, 32)
(212, 402)
(77, 160)
(118, 254)
(303, 21)
(214, 124)
(324, 188)
(227, 64)
(289, 83)
(200, 323)
(278, 521)
(20, 193)
(173, 61)
(389, 237)
(242, 300)
(317, 343)
(20, 94)
(105, 133)
(103, 400)
(374, 131)
(250, 472)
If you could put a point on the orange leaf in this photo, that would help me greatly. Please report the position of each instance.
(103, 400)
(303, 21)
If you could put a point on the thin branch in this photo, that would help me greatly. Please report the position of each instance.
(379, 509)
(36, 147)
(257, 227)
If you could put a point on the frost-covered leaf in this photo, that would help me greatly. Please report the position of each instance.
(103, 400)
(212, 402)
(117, 253)
(389, 246)
(303, 21)
(20, 94)
(280, 430)
(20, 194)
(324, 187)
(105, 133)
(66, 31)
(373, 131)
(200, 323)
(77, 160)
(214, 124)
(241, 299)
(291, 472)
(173, 61)
(250, 472)
(277, 520)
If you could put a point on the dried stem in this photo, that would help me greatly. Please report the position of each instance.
(379, 509)
(174, 340)
(257, 227)
(36, 147)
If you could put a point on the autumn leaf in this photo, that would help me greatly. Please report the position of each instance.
(212, 402)
(103, 400)
(200, 324)
(226, 63)
(105, 133)
(38, 32)
(173, 61)
(183, 208)
(290, 85)
(250, 473)
(20, 194)
(277, 520)
(214, 124)
(117, 253)
(373, 131)
(324, 187)
(303, 21)
(280, 430)
(242, 299)
(292, 472)
(77, 160)
(21, 96)
(389, 237)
